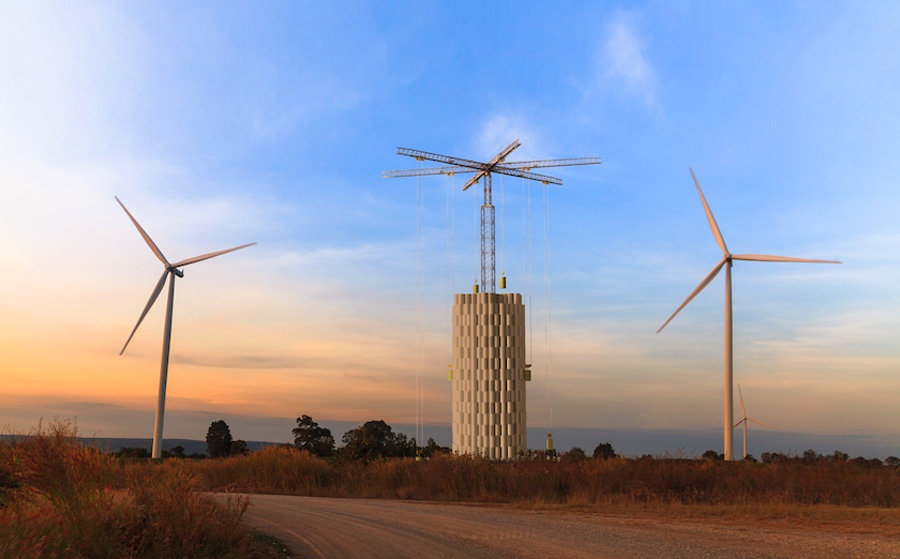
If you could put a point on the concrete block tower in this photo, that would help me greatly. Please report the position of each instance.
(488, 375)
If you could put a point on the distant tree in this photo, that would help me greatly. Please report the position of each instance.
(238, 447)
(604, 451)
(575, 454)
(218, 439)
(375, 439)
(892, 462)
(404, 446)
(129, 452)
(773, 458)
(431, 448)
(839, 457)
(713, 455)
(873, 463)
(178, 451)
(810, 456)
(309, 436)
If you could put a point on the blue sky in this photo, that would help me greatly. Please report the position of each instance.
(223, 124)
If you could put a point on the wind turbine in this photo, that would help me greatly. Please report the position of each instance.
(746, 419)
(726, 262)
(171, 271)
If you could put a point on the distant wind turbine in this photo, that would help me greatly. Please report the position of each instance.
(746, 420)
(727, 262)
(171, 270)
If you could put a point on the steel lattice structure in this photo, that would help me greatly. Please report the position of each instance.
(497, 164)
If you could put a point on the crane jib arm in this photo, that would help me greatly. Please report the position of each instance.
(479, 170)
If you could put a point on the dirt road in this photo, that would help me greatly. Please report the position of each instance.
(350, 528)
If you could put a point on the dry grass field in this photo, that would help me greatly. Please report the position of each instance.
(845, 495)
(61, 499)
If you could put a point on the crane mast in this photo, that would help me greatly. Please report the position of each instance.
(488, 240)
(497, 164)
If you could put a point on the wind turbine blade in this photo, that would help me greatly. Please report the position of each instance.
(187, 261)
(709, 217)
(770, 258)
(144, 234)
(709, 277)
(739, 422)
(153, 297)
(761, 423)
(743, 409)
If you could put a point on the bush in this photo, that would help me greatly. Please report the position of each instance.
(63, 499)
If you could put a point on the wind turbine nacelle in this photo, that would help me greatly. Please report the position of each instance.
(178, 272)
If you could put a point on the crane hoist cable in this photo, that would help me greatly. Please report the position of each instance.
(502, 234)
(548, 339)
(451, 272)
(476, 247)
(526, 241)
(419, 326)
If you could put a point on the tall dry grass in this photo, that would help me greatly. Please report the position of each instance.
(578, 482)
(278, 470)
(60, 499)
(845, 496)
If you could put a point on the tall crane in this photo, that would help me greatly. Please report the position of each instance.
(497, 164)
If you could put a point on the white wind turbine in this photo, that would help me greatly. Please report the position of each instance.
(727, 262)
(171, 270)
(746, 420)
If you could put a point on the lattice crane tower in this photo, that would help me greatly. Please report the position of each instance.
(488, 370)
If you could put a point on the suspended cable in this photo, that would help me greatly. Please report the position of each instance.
(502, 231)
(548, 340)
(476, 239)
(449, 279)
(419, 288)
(451, 273)
(527, 201)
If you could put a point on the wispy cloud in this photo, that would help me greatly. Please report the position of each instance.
(622, 60)
(499, 130)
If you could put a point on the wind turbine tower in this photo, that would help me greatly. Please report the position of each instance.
(726, 262)
(488, 370)
(170, 272)
(745, 420)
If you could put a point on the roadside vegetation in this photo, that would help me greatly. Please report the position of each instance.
(61, 499)
(538, 479)
(374, 462)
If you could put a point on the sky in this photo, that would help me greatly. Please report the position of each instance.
(222, 124)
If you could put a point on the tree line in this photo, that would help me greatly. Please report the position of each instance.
(376, 439)
(369, 441)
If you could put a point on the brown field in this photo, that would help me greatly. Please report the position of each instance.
(60, 499)
(840, 495)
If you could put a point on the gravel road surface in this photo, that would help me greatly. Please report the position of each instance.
(351, 528)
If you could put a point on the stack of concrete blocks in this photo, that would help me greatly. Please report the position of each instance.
(488, 376)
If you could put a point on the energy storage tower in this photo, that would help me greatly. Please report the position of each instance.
(489, 374)
(488, 370)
